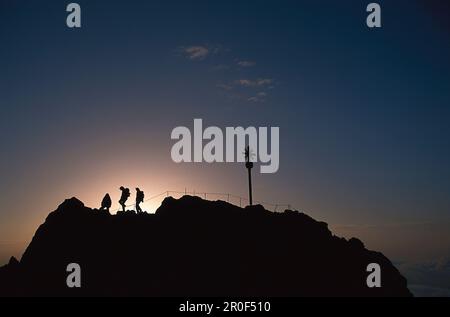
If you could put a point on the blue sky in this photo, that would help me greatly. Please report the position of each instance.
(363, 114)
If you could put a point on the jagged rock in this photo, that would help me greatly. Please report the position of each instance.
(126, 213)
(13, 262)
(356, 243)
(194, 247)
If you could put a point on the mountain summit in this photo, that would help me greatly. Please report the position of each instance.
(194, 247)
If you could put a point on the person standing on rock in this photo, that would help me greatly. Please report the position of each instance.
(124, 196)
(106, 203)
(139, 199)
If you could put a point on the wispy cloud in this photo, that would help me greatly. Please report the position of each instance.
(246, 63)
(200, 52)
(195, 53)
(260, 82)
(259, 97)
(250, 89)
(253, 99)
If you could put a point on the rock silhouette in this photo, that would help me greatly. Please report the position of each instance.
(193, 247)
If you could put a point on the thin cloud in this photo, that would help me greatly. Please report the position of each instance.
(252, 90)
(195, 53)
(246, 63)
(254, 99)
(245, 89)
(260, 82)
(260, 97)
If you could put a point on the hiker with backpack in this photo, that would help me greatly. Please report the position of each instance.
(124, 196)
(139, 199)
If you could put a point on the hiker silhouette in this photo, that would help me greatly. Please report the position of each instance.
(124, 196)
(139, 199)
(106, 202)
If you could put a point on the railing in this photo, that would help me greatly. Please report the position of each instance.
(230, 198)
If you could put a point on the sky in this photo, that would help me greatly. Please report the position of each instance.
(363, 113)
